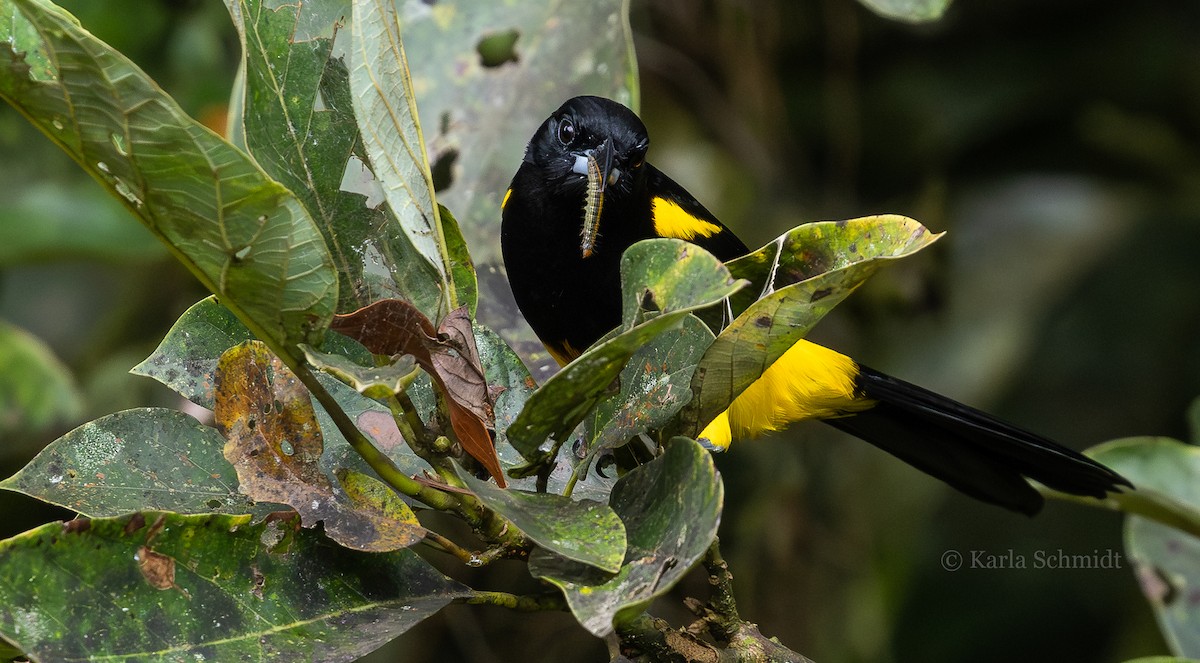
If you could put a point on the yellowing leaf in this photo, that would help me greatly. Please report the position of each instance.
(274, 443)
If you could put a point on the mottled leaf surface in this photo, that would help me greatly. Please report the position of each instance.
(478, 118)
(665, 279)
(798, 279)
(655, 385)
(1166, 560)
(299, 123)
(148, 458)
(671, 507)
(448, 354)
(245, 236)
(160, 586)
(584, 531)
(275, 444)
(186, 359)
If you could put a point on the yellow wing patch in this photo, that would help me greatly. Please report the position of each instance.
(671, 220)
(507, 195)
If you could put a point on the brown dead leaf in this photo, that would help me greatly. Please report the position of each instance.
(448, 355)
(274, 442)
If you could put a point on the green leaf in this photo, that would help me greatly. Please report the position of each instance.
(909, 11)
(1166, 563)
(585, 531)
(506, 374)
(186, 359)
(213, 588)
(149, 458)
(244, 236)
(1166, 559)
(299, 124)
(803, 274)
(1165, 473)
(386, 108)
(371, 381)
(671, 508)
(655, 385)
(669, 276)
(462, 268)
(477, 119)
(37, 390)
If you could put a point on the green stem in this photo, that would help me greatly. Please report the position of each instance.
(446, 545)
(1147, 504)
(382, 465)
(414, 421)
(570, 487)
(420, 439)
(539, 603)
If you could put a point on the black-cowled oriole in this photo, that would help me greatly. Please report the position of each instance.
(584, 193)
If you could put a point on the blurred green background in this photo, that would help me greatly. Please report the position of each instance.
(1056, 141)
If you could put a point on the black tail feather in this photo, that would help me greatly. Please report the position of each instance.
(969, 449)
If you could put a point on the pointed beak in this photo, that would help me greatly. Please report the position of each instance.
(597, 166)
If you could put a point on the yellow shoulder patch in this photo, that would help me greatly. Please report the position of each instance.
(671, 220)
(507, 195)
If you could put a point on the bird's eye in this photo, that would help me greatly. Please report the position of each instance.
(566, 131)
(639, 154)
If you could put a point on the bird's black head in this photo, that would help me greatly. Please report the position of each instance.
(591, 150)
(586, 126)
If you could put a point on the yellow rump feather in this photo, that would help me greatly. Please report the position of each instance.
(808, 382)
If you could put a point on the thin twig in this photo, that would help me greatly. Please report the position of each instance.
(538, 603)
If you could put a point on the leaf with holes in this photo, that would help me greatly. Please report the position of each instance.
(215, 588)
(275, 444)
(801, 276)
(487, 75)
(245, 236)
(386, 108)
(483, 71)
(448, 354)
(298, 121)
